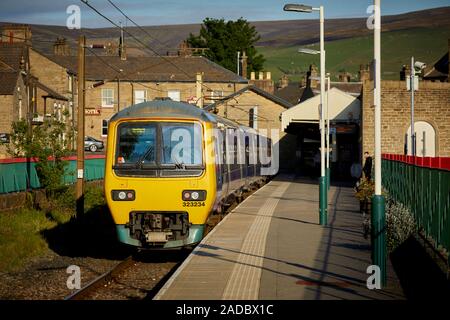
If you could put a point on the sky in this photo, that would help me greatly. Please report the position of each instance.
(163, 12)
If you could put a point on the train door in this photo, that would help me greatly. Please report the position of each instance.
(225, 165)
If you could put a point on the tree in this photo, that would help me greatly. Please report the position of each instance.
(47, 145)
(225, 39)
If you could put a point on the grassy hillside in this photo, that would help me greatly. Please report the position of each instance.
(425, 44)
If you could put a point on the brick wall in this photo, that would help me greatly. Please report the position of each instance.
(432, 104)
(238, 108)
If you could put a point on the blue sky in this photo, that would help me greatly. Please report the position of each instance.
(160, 12)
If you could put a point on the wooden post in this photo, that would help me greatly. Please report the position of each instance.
(80, 125)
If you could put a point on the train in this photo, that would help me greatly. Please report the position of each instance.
(172, 166)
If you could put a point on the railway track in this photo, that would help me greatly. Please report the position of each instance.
(102, 280)
(150, 270)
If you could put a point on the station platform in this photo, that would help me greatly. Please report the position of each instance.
(272, 247)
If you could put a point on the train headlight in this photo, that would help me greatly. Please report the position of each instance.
(193, 195)
(123, 195)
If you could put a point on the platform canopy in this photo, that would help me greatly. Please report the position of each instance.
(342, 108)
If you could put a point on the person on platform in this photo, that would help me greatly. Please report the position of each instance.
(367, 168)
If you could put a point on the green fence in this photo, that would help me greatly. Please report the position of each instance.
(14, 175)
(426, 191)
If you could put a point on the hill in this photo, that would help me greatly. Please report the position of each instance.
(422, 33)
(425, 44)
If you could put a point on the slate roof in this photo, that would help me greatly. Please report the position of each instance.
(255, 89)
(10, 57)
(152, 68)
(8, 81)
(291, 93)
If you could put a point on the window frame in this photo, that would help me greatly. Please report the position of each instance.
(105, 105)
(174, 90)
(139, 90)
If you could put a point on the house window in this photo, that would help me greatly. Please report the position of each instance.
(140, 96)
(105, 127)
(216, 94)
(107, 98)
(174, 95)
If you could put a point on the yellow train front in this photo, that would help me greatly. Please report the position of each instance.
(163, 178)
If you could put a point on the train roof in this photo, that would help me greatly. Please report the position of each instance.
(172, 109)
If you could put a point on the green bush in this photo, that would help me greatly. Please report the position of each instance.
(400, 224)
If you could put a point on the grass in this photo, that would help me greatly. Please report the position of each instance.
(425, 44)
(21, 231)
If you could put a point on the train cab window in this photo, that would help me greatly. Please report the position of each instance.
(181, 144)
(136, 143)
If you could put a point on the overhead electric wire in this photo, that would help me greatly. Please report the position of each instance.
(147, 46)
(138, 26)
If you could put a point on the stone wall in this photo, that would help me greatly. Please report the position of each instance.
(432, 104)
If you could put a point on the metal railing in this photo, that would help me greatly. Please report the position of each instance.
(15, 173)
(423, 185)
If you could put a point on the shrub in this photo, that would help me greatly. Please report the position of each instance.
(46, 143)
(400, 224)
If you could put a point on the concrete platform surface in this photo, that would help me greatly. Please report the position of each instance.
(272, 247)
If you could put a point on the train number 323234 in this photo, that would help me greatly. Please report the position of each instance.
(193, 203)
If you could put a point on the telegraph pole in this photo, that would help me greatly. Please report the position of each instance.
(80, 126)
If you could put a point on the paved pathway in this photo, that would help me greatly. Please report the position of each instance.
(271, 247)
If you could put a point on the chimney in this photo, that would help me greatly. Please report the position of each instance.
(16, 33)
(405, 72)
(260, 75)
(268, 75)
(244, 65)
(61, 48)
(344, 77)
(364, 72)
(312, 73)
(252, 75)
(284, 82)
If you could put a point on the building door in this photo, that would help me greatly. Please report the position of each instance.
(425, 139)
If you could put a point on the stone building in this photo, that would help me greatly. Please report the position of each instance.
(256, 108)
(24, 93)
(431, 118)
(114, 83)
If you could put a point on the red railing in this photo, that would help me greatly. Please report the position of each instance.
(442, 163)
(21, 160)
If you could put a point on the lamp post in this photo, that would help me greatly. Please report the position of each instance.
(328, 132)
(378, 202)
(328, 79)
(323, 202)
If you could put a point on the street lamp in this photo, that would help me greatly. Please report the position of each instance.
(378, 216)
(328, 79)
(323, 202)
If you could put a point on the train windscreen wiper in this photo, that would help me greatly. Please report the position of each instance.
(149, 152)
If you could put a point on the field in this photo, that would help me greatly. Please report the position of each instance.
(425, 44)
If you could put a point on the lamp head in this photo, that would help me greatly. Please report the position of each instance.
(298, 8)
